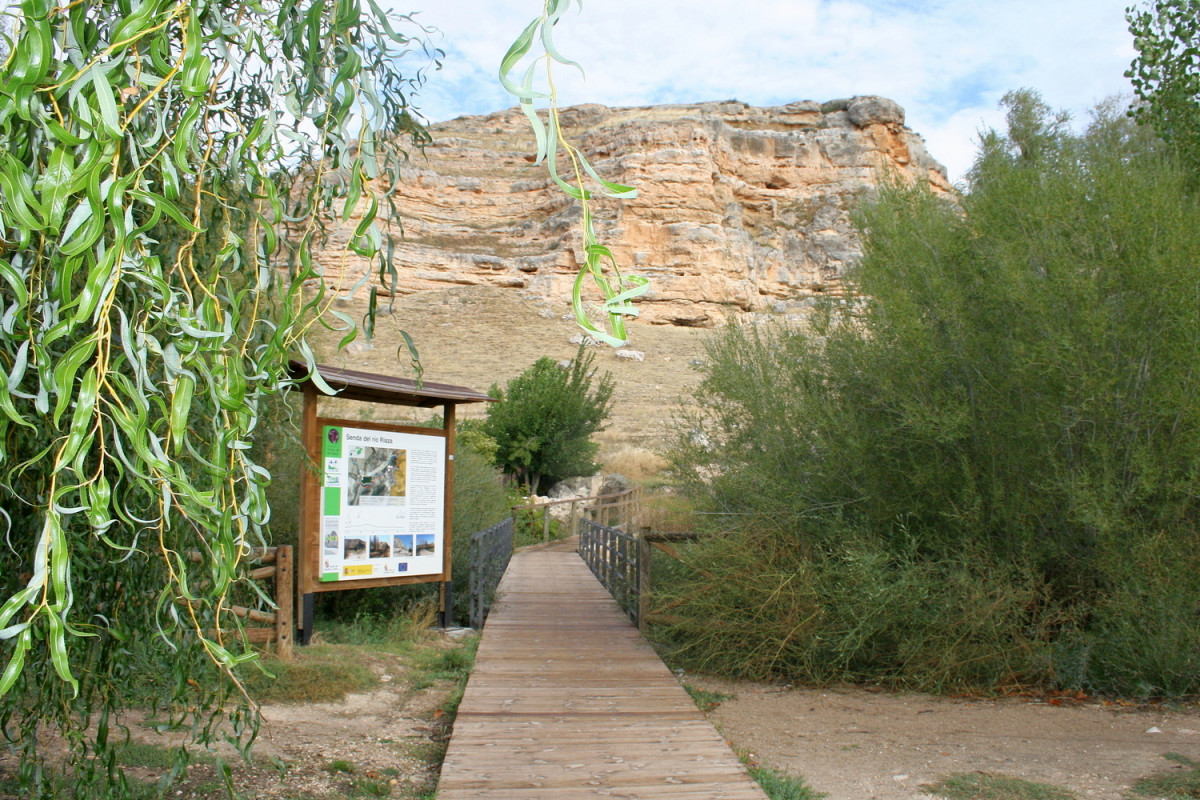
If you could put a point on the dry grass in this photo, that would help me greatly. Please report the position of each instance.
(665, 511)
(636, 463)
(476, 336)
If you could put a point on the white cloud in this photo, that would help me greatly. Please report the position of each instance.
(947, 62)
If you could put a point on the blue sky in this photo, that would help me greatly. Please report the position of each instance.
(948, 62)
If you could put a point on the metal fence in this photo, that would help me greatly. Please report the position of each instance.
(490, 551)
(612, 555)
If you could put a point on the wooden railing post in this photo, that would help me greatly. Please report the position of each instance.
(284, 611)
(645, 553)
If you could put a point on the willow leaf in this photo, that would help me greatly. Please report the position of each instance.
(555, 9)
(109, 117)
(620, 191)
(161, 203)
(535, 122)
(64, 374)
(16, 661)
(515, 53)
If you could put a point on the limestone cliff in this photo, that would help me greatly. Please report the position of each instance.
(739, 207)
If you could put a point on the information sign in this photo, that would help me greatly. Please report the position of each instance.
(382, 504)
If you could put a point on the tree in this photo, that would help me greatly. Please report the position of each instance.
(167, 169)
(1166, 73)
(543, 422)
(1009, 410)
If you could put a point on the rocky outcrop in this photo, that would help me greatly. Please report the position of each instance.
(739, 208)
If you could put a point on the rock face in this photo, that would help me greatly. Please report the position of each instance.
(739, 208)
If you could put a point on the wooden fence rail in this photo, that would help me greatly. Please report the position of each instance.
(618, 509)
(277, 564)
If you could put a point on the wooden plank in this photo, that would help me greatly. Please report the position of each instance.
(568, 701)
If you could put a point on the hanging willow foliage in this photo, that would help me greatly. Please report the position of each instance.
(167, 169)
(599, 262)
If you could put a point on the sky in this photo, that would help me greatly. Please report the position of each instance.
(947, 62)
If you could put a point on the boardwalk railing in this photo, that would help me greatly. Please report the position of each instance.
(622, 562)
(612, 556)
(491, 550)
(616, 510)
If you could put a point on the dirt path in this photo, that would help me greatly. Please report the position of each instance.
(858, 745)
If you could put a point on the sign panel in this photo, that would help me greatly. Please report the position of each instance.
(382, 503)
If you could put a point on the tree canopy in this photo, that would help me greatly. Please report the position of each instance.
(1166, 73)
(545, 419)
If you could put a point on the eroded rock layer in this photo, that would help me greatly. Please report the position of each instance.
(739, 208)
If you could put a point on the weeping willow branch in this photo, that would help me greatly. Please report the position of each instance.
(599, 262)
(153, 155)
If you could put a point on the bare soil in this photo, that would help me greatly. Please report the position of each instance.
(853, 744)
(476, 336)
(849, 744)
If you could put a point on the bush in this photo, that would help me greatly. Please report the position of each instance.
(1003, 422)
(753, 605)
(545, 419)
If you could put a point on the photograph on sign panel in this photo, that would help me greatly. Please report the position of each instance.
(402, 546)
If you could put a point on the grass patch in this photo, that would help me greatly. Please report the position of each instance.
(1181, 783)
(371, 787)
(152, 756)
(343, 662)
(705, 700)
(317, 674)
(985, 786)
(430, 665)
(781, 786)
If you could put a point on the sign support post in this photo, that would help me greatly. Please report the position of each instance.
(376, 500)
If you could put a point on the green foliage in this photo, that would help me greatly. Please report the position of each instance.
(544, 420)
(1166, 73)
(781, 786)
(758, 603)
(1181, 783)
(618, 289)
(167, 171)
(948, 480)
(480, 499)
(986, 786)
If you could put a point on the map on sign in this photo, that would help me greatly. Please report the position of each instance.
(381, 503)
(376, 472)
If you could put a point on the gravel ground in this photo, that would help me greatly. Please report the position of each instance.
(860, 745)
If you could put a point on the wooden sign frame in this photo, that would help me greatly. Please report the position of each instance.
(312, 531)
(369, 388)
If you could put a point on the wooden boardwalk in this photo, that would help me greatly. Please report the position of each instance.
(568, 701)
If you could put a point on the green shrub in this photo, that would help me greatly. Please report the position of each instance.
(755, 606)
(988, 458)
(545, 418)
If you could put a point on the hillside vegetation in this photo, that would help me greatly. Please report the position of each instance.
(986, 471)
